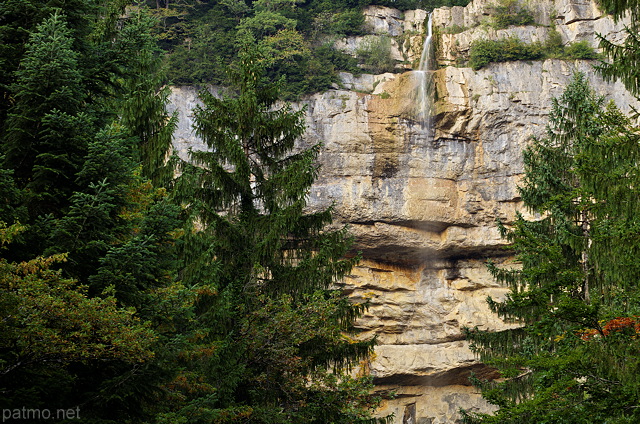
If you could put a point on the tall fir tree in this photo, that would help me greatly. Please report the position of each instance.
(572, 359)
(45, 134)
(273, 322)
(19, 19)
(143, 109)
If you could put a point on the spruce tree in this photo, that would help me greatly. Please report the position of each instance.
(45, 134)
(19, 20)
(575, 296)
(272, 317)
(625, 58)
(143, 109)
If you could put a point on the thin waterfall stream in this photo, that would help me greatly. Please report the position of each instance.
(424, 83)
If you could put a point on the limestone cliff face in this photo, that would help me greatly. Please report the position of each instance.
(423, 203)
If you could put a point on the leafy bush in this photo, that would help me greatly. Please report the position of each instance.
(581, 50)
(484, 52)
(376, 55)
(453, 29)
(348, 22)
(510, 12)
(553, 46)
(341, 23)
(554, 49)
(315, 73)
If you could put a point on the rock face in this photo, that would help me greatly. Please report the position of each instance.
(422, 200)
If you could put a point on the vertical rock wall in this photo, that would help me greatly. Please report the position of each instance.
(423, 207)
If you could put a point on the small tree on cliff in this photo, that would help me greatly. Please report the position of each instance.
(273, 345)
(574, 358)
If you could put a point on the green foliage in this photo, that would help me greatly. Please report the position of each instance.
(20, 17)
(619, 8)
(71, 175)
(553, 46)
(111, 213)
(143, 107)
(581, 50)
(50, 322)
(201, 47)
(453, 29)
(623, 65)
(554, 49)
(265, 23)
(483, 52)
(415, 4)
(376, 55)
(510, 12)
(45, 132)
(575, 294)
(203, 38)
(342, 23)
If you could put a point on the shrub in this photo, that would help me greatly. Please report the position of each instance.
(313, 73)
(348, 22)
(484, 52)
(581, 50)
(454, 29)
(341, 23)
(376, 55)
(510, 12)
(553, 45)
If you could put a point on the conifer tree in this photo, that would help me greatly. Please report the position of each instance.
(573, 356)
(272, 318)
(45, 134)
(625, 58)
(119, 235)
(19, 20)
(143, 109)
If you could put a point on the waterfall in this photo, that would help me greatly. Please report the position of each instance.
(425, 58)
(424, 81)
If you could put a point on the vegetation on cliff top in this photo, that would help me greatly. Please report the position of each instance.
(201, 38)
(483, 52)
